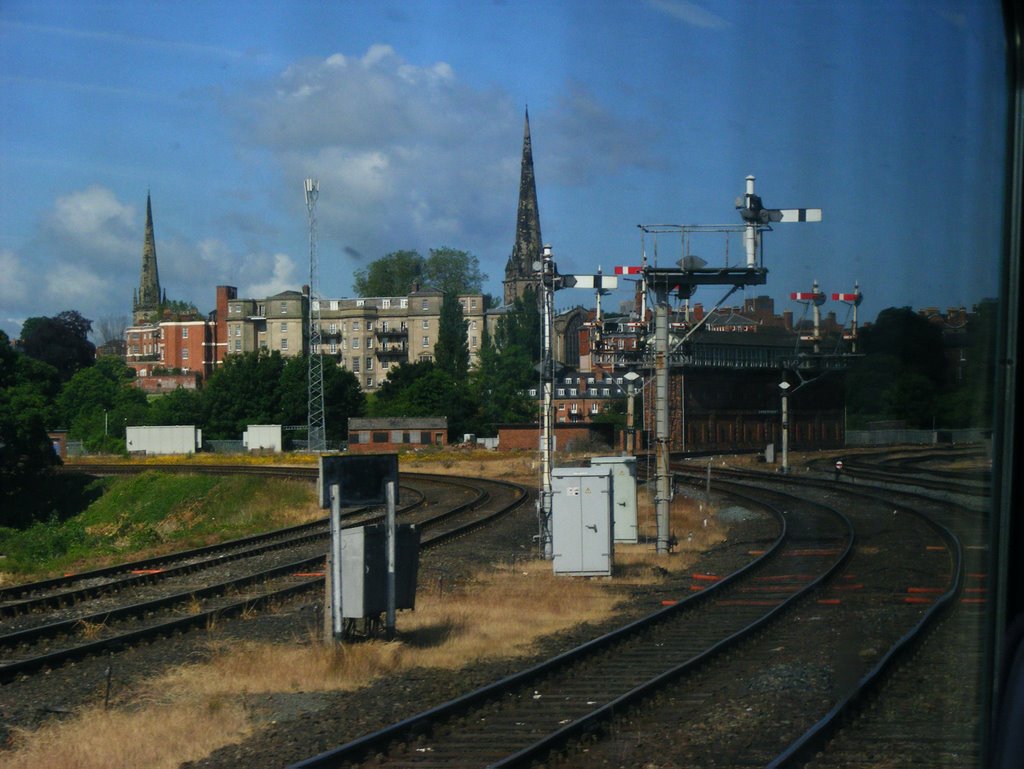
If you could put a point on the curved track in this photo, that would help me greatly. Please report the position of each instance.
(67, 618)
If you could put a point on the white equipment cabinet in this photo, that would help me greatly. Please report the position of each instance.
(623, 496)
(581, 521)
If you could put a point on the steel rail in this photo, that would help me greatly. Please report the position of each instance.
(418, 724)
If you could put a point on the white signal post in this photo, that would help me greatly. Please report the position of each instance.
(853, 300)
(816, 298)
(550, 282)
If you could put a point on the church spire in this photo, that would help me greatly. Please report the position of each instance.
(147, 302)
(527, 248)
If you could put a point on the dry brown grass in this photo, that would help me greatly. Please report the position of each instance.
(502, 612)
(126, 739)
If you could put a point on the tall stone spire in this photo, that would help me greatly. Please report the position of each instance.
(527, 248)
(146, 306)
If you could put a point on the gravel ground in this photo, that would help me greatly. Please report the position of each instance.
(293, 726)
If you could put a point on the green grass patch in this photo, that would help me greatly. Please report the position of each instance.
(153, 513)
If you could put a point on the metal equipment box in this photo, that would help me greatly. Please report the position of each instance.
(364, 570)
(163, 439)
(623, 496)
(581, 520)
(263, 437)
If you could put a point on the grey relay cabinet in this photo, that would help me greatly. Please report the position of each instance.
(623, 495)
(364, 569)
(581, 520)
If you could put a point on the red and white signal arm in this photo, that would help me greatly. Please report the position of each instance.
(855, 299)
(628, 270)
(808, 296)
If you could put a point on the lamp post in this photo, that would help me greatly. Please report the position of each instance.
(784, 391)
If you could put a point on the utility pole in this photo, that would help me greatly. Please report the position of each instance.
(316, 431)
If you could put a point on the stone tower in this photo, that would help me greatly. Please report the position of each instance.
(527, 248)
(147, 299)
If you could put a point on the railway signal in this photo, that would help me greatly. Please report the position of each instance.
(754, 213)
(552, 281)
(854, 301)
(816, 298)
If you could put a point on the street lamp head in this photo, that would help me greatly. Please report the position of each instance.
(784, 386)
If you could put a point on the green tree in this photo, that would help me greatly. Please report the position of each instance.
(342, 396)
(451, 352)
(498, 383)
(178, 407)
(391, 275)
(521, 327)
(910, 339)
(245, 389)
(343, 399)
(26, 454)
(61, 341)
(452, 271)
(98, 403)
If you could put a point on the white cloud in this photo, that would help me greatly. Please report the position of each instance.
(14, 286)
(94, 222)
(407, 156)
(689, 13)
(75, 285)
(281, 269)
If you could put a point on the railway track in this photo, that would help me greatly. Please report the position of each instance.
(524, 717)
(196, 588)
(899, 581)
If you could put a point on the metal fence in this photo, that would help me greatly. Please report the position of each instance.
(904, 436)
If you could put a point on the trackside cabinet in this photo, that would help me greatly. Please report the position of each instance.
(623, 496)
(581, 521)
(364, 569)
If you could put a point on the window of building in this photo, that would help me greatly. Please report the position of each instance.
(369, 381)
(472, 341)
(572, 391)
(426, 341)
(426, 304)
(568, 380)
(355, 325)
(333, 348)
(369, 343)
(238, 345)
(533, 392)
(380, 437)
(385, 304)
(263, 344)
(263, 310)
(561, 392)
(472, 304)
(369, 325)
(426, 323)
(184, 354)
(403, 303)
(334, 304)
(472, 325)
(360, 302)
(184, 332)
(561, 407)
(284, 328)
(369, 363)
(355, 365)
(355, 343)
(316, 304)
(284, 344)
(605, 392)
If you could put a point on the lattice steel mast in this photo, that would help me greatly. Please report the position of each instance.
(316, 424)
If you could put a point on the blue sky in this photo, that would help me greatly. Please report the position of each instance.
(888, 115)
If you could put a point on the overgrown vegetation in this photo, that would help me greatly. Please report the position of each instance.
(151, 513)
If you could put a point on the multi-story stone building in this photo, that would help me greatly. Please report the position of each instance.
(368, 336)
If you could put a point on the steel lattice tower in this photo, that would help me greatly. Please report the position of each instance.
(316, 425)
